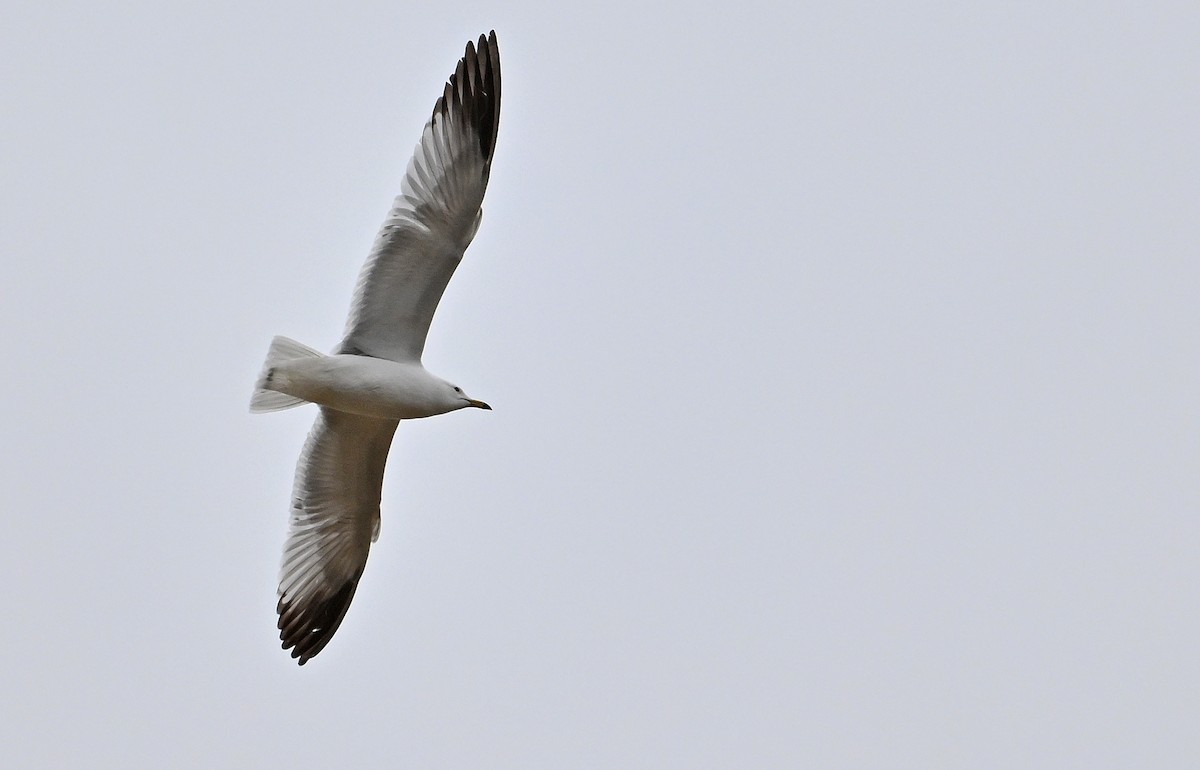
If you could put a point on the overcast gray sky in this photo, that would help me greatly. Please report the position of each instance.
(844, 364)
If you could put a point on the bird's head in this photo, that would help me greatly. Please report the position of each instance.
(462, 400)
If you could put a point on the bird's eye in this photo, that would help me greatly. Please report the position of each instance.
(457, 389)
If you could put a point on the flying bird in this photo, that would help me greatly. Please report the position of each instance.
(375, 378)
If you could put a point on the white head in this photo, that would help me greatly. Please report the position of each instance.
(460, 399)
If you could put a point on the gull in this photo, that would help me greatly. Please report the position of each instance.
(374, 378)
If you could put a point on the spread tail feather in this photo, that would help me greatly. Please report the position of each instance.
(282, 349)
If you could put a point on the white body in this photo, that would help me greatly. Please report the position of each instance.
(372, 387)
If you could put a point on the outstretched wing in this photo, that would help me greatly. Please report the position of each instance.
(335, 518)
(435, 216)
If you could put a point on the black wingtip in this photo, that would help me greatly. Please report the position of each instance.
(474, 88)
(306, 627)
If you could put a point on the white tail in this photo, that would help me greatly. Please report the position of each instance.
(282, 349)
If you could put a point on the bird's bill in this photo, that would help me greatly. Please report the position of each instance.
(478, 404)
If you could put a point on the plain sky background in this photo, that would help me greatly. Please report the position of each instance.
(843, 355)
